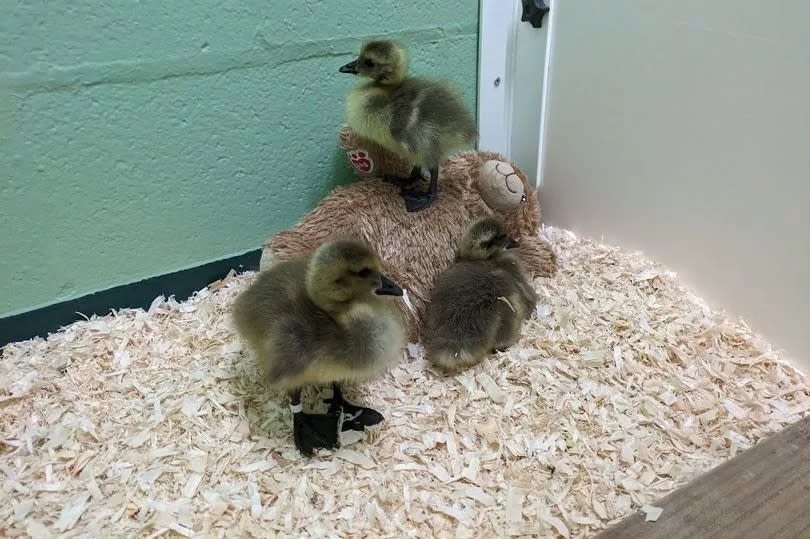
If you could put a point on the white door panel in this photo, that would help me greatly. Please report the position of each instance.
(512, 67)
(683, 129)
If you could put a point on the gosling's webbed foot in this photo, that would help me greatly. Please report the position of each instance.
(315, 431)
(354, 417)
(408, 183)
(359, 417)
(416, 200)
(397, 180)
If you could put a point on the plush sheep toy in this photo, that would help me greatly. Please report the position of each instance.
(417, 247)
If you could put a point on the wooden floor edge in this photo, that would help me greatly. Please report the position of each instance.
(761, 492)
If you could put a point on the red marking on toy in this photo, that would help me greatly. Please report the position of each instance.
(361, 161)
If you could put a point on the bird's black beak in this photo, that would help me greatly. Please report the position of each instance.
(351, 67)
(512, 244)
(388, 288)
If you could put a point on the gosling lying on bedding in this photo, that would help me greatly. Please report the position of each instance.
(479, 303)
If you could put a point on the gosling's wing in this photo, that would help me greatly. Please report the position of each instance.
(445, 109)
(409, 125)
(464, 307)
(529, 296)
(273, 289)
(272, 316)
(427, 118)
(294, 346)
(513, 272)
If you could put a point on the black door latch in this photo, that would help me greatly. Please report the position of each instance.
(533, 11)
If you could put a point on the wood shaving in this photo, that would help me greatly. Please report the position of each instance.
(623, 386)
(651, 512)
(509, 303)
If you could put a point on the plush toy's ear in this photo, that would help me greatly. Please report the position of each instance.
(537, 256)
(500, 186)
(368, 159)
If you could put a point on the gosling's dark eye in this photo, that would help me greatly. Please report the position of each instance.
(364, 273)
(368, 63)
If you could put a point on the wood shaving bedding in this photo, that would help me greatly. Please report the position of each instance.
(623, 387)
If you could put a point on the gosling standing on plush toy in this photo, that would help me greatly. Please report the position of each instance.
(321, 321)
(420, 120)
(478, 304)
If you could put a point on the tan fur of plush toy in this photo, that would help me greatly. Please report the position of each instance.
(417, 247)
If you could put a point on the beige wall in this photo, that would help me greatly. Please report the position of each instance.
(683, 129)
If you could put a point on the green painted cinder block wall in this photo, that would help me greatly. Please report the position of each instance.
(140, 138)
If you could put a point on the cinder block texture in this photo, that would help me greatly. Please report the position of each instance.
(140, 138)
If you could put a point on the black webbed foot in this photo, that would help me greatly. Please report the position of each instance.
(315, 431)
(417, 200)
(406, 183)
(354, 417)
(359, 417)
(397, 180)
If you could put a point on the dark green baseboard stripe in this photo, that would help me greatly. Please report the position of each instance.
(180, 284)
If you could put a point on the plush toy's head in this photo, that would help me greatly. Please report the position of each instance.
(500, 186)
(417, 247)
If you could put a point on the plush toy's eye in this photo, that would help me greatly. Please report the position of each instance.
(523, 198)
(368, 63)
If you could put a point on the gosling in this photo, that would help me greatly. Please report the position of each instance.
(417, 119)
(479, 303)
(319, 321)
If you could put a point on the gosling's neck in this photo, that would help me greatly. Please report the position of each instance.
(397, 75)
(392, 80)
(344, 312)
(356, 312)
(464, 255)
(330, 307)
(322, 297)
(401, 71)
